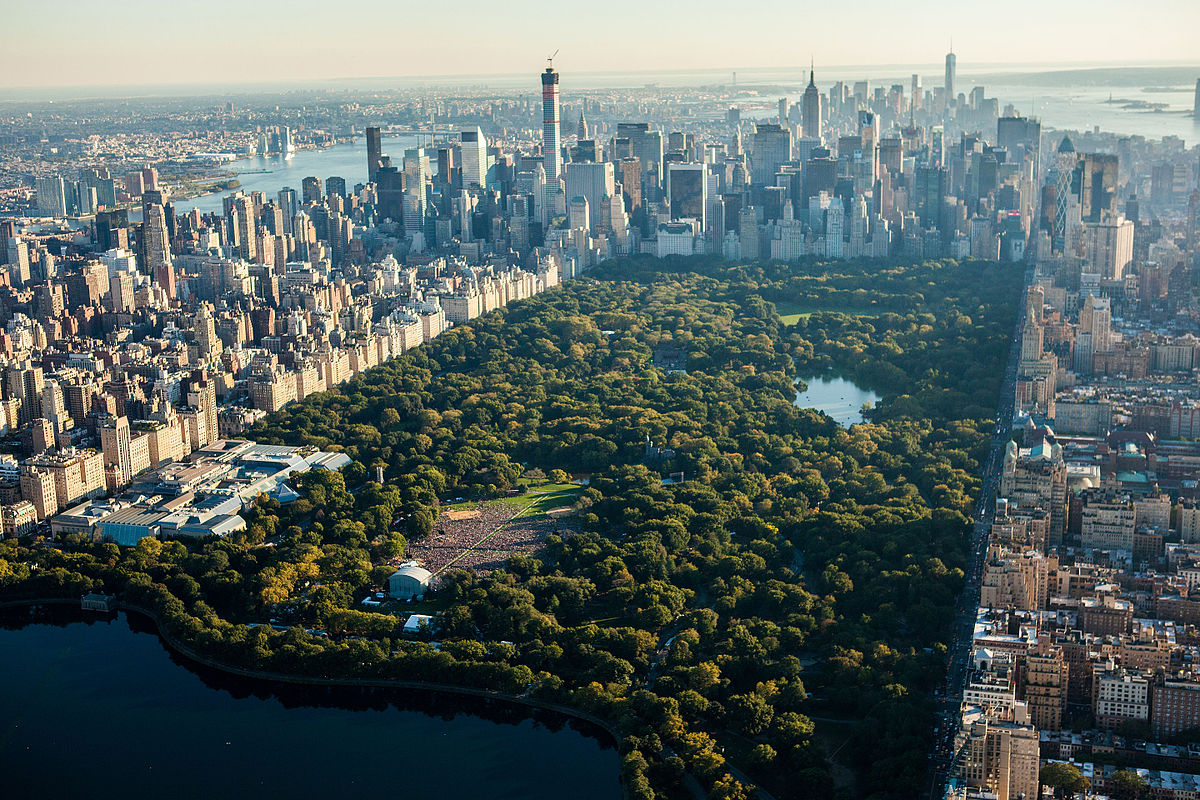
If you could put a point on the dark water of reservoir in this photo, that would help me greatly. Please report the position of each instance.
(96, 707)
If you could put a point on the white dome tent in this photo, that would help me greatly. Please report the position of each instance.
(409, 581)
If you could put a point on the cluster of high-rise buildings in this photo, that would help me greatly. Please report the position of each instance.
(136, 349)
(1086, 641)
(851, 172)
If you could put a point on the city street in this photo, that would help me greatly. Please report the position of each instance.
(949, 695)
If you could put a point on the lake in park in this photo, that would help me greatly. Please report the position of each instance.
(97, 707)
(836, 397)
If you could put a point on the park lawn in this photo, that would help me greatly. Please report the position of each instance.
(791, 313)
(462, 505)
(546, 497)
(539, 499)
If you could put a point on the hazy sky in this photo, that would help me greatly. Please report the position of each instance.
(89, 42)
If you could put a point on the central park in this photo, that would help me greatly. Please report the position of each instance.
(749, 593)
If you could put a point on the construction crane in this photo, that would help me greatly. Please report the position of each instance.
(550, 59)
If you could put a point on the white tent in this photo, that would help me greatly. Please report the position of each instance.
(408, 582)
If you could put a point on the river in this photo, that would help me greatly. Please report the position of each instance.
(96, 707)
(269, 174)
(837, 398)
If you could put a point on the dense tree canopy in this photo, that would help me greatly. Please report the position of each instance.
(799, 570)
(1064, 779)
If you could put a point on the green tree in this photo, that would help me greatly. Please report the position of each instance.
(1127, 784)
(1065, 779)
(726, 788)
(750, 713)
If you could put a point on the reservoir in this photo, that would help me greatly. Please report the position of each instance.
(97, 707)
(836, 397)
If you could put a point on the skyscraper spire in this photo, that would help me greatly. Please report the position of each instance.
(812, 71)
(951, 68)
(810, 106)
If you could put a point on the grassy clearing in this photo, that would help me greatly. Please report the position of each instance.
(791, 313)
(539, 499)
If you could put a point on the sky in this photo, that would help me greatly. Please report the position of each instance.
(137, 42)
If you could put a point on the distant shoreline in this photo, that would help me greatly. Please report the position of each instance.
(237, 174)
(582, 79)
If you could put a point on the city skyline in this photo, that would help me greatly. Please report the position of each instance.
(713, 35)
(729, 413)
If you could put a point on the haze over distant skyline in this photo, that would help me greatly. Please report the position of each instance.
(80, 42)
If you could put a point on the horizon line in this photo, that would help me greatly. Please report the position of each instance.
(313, 82)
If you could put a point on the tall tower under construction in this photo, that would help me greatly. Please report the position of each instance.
(551, 143)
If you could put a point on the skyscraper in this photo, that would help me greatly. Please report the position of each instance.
(1062, 177)
(593, 181)
(389, 188)
(115, 444)
(51, 197)
(1110, 246)
(156, 249)
(374, 151)
(18, 261)
(301, 230)
(646, 146)
(772, 149)
(811, 108)
(579, 213)
(416, 174)
(288, 205)
(1098, 192)
(121, 292)
(1196, 104)
(202, 396)
(1020, 136)
(551, 146)
(748, 236)
(208, 344)
(687, 192)
(951, 68)
(244, 227)
(474, 158)
(310, 189)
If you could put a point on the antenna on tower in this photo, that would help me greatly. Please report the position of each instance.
(550, 58)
